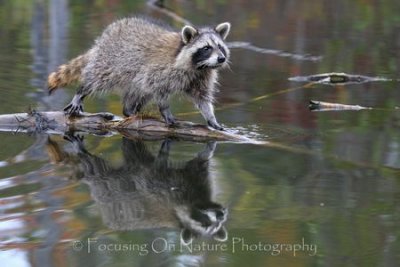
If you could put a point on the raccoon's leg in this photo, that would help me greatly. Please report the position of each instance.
(133, 104)
(163, 154)
(92, 166)
(208, 152)
(129, 110)
(75, 107)
(199, 164)
(207, 110)
(166, 113)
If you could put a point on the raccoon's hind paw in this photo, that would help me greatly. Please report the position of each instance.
(171, 121)
(215, 125)
(168, 117)
(73, 109)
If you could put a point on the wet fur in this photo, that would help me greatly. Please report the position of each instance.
(146, 61)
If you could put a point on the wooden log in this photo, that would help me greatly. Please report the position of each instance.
(326, 106)
(337, 78)
(56, 122)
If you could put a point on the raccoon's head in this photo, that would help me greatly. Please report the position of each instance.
(203, 220)
(205, 47)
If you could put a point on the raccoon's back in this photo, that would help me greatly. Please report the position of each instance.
(133, 41)
(129, 50)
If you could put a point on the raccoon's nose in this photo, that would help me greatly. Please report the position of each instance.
(221, 59)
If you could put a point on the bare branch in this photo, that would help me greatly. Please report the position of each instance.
(159, 6)
(251, 47)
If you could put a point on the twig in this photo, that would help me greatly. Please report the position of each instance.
(251, 47)
(159, 6)
(255, 99)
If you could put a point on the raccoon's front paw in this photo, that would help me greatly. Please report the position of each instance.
(215, 125)
(73, 109)
(167, 115)
(170, 120)
(76, 140)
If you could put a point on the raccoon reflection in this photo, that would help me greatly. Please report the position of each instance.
(150, 192)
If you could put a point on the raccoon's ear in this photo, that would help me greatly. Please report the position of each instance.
(223, 29)
(188, 32)
(186, 237)
(221, 235)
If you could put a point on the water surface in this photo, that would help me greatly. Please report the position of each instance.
(323, 191)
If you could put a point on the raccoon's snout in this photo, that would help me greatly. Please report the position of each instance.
(221, 59)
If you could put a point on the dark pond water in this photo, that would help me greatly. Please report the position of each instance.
(324, 190)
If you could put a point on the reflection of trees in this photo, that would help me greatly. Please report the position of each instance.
(49, 48)
(333, 203)
(46, 57)
(359, 38)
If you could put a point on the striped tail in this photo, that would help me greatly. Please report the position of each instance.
(66, 73)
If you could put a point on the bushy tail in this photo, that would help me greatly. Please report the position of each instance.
(66, 73)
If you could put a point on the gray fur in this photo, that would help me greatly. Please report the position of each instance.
(148, 62)
(149, 191)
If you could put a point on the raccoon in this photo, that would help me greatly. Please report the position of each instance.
(146, 61)
(151, 192)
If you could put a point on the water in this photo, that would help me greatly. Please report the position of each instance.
(322, 191)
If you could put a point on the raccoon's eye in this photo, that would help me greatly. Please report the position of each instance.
(206, 48)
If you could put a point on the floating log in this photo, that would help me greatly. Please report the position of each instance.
(56, 122)
(337, 78)
(326, 106)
